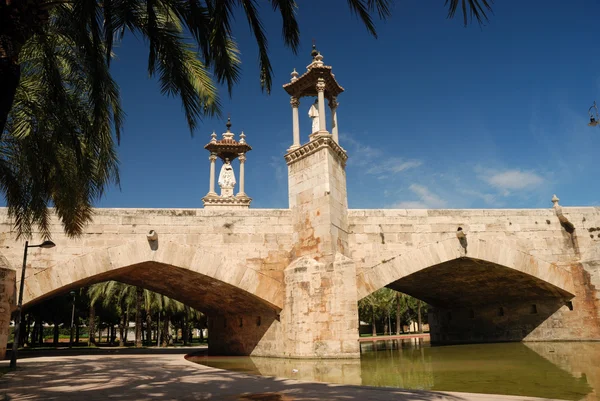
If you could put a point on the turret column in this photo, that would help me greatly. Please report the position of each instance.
(242, 159)
(333, 105)
(295, 122)
(213, 159)
(321, 97)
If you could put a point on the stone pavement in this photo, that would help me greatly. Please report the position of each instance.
(166, 375)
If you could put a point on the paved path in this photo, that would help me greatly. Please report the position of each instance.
(168, 376)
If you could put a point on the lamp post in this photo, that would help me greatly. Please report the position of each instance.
(72, 319)
(13, 357)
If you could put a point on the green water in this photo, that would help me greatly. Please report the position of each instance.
(569, 371)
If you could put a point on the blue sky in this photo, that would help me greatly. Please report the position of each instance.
(434, 115)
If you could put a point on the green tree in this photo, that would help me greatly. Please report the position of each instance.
(379, 306)
(376, 306)
(60, 51)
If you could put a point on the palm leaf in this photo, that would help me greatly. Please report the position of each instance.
(477, 9)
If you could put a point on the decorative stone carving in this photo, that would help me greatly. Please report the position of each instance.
(227, 179)
(333, 103)
(227, 149)
(564, 221)
(313, 146)
(321, 85)
(294, 75)
(295, 102)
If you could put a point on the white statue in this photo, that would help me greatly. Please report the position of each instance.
(313, 113)
(226, 176)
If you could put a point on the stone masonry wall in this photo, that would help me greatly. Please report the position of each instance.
(320, 317)
(260, 239)
(318, 204)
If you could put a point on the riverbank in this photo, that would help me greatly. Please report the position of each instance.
(165, 374)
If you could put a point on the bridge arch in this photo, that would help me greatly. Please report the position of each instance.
(484, 253)
(209, 281)
(488, 292)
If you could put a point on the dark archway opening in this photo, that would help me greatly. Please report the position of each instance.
(235, 319)
(477, 301)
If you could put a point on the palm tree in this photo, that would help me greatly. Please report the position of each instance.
(76, 107)
(57, 147)
(121, 296)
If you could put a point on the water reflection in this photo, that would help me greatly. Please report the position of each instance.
(569, 371)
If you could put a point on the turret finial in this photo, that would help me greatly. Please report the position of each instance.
(228, 125)
(314, 51)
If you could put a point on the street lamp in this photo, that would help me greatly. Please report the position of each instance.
(13, 357)
(72, 319)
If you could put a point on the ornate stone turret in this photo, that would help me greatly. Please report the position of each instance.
(319, 319)
(318, 81)
(227, 149)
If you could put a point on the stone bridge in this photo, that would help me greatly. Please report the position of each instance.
(287, 282)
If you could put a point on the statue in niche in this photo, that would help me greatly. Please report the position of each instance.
(226, 178)
(313, 113)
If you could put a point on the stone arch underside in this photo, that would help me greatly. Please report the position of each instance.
(491, 292)
(213, 283)
(481, 257)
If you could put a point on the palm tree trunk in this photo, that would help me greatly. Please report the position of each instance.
(419, 316)
(55, 332)
(41, 333)
(139, 293)
(184, 325)
(126, 325)
(121, 331)
(92, 326)
(398, 324)
(148, 329)
(158, 330)
(25, 335)
(373, 323)
(34, 333)
(165, 331)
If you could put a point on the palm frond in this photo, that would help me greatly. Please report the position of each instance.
(224, 54)
(290, 27)
(477, 9)
(266, 71)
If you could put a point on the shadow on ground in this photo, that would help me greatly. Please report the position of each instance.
(79, 351)
(170, 377)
